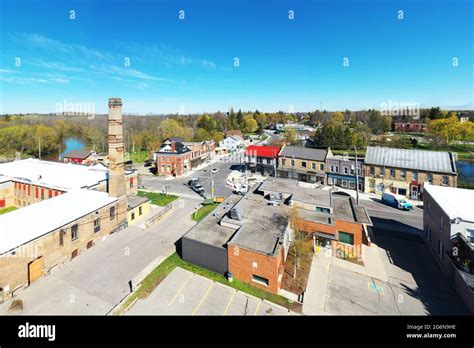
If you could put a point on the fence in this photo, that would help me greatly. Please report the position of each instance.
(158, 215)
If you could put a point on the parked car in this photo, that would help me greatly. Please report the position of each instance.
(195, 185)
(396, 201)
(215, 170)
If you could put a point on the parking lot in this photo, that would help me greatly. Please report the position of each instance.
(185, 293)
(415, 284)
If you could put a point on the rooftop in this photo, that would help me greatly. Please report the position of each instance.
(58, 175)
(262, 151)
(135, 201)
(26, 224)
(82, 154)
(430, 161)
(304, 153)
(262, 225)
(209, 230)
(296, 190)
(455, 202)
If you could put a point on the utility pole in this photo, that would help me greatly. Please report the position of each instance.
(357, 175)
(212, 181)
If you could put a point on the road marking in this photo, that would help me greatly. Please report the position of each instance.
(228, 304)
(258, 307)
(180, 289)
(203, 298)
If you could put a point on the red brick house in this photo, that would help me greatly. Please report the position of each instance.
(410, 127)
(176, 157)
(79, 157)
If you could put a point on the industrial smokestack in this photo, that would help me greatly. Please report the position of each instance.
(116, 181)
(117, 186)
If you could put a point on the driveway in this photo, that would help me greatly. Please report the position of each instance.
(185, 293)
(99, 278)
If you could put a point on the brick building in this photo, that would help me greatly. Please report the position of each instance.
(65, 209)
(335, 222)
(85, 157)
(303, 164)
(176, 157)
(404, 171)
(29, 181)
(417, 127)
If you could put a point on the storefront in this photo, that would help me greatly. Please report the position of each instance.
(345, 181)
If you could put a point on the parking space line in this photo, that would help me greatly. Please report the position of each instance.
(180, 290)
(228, 304)
(204, 297)
(258, 306)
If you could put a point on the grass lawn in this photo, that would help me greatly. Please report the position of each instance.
(158, 198)
(463, 151)
(7, 210)
(168, 265)
(137, 156)
(202, 212)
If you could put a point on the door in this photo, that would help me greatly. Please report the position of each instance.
(414, 192)
(35, 269)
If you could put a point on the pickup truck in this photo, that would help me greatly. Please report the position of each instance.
(195, 185)
(395, 201)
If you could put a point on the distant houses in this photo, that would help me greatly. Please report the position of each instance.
(79, 157)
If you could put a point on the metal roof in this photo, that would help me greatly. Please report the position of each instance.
(304, 153)
(430, 161)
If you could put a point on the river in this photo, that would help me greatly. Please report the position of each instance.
(465, 171)
(72, 144)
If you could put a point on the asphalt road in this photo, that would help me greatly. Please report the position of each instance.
(177, 185)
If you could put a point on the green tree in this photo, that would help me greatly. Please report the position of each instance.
(290, 135)
(249, 125)
(207, 123)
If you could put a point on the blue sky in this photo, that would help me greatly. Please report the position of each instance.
(188, 65)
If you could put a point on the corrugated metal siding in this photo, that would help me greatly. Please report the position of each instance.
(208, 256)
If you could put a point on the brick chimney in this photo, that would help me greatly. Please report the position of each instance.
(116, 184)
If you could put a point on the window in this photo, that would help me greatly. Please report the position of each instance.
(96, 225)
(292, 163)
(321, 166)
(337, 169)
(74, 232)
(445, 180)
(313, 166)
(372, 171)
(414, 176)
(131, 182)
(332, 168)
(429, 207)
(403, 174)
(441, 249)
(259, 280)
(346, 170)
(430, 178)
(283, 161)
(322, 210)
(344, 183)
(133, 215)
(351, 184)
(162, 168)
(470, 235)
(140, 212)
(112, 213)
(392, 172)
(347, 238)
(330, 181)
(441, 221)
(168, 168)
(352, 169)
(428, 233)
(303, 164)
